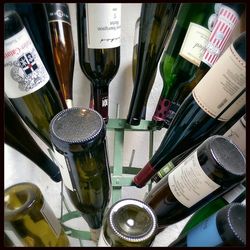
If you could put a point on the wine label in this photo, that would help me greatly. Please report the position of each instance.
(237, 134)
(51, 219)
(189, 183)
(205, 234)
(231, 195)
(58, 12)
(103, 22)
(24, 72)
(223, 28)
(102, 242)
(223, 87)
(64, 169)
(166, 169)
(194, 44)
(14, 238)
(162, 109)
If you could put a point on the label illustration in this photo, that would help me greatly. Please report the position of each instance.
(24, 72)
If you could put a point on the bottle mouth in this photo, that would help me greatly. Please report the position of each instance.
(18, 199)
(132, 220)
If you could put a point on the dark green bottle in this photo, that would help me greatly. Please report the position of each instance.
(228, 17)
(182, 57)
(79, 139)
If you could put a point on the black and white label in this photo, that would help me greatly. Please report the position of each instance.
(103, 23)
(234, 193)
(24, 72)
(58, 12)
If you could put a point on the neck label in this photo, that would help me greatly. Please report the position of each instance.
(24, 72)
(58, 12)
(103, 23)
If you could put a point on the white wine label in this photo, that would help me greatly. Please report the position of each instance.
(189, 183)
(226, 21)
(237, 134)
(51, 219)
(194, 44)
(102, 241)
(64, 170)
(24, 72)
(14, 238)
(103, 23)
(224, 82)
(234, 193)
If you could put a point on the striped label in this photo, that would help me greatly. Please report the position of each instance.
(227, 19)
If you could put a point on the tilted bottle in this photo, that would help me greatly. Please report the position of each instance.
(156, 20)
(99, 48)
(128, 223)
(237, 194)
(33, 16)
(62, 46)
(17, 136)
(212, 102)
(234, 128)
(228, 17)
(184, 52)
(79, 139)
(28, 219)
(214, 168)
(26, 80)
(227, 227)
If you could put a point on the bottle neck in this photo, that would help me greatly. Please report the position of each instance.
(101, 100)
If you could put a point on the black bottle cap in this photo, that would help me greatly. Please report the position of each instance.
(231, 224)
(12, 23)
(76, 126)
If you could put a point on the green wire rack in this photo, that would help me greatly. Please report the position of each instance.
(121, 176)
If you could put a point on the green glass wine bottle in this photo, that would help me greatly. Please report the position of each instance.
(228, 17)
(184, 52)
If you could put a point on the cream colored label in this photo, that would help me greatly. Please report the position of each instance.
(103, 23)
(234, 193)
(194, 44)
(189, 183)
(237, 134)
(64, 169)
(14, 238)
(51, 219)
(222, 85)
(102, 241)
(24, 72)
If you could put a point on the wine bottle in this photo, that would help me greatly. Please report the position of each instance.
(234, 128)
(237, 194)
(79, 140)
(29, 220)
(227, 227)
(17, 136)
(128, 223)
(214, 168)
(200, 114)
(99, 48)
(26, 81)
(183, 53)
(156, 20)
(62, 47)
(228, 17)
(33, 16)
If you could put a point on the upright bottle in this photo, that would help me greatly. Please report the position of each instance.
(184, 52)
(99, 38)
(79, 139)
(62, 46)
(156, 20)
(227, 227)
(128, 223)
(17, 136)
(29, 220)
(217, 97)
(26, 81)
(228, 17)
(34, 18)
(214, 168)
